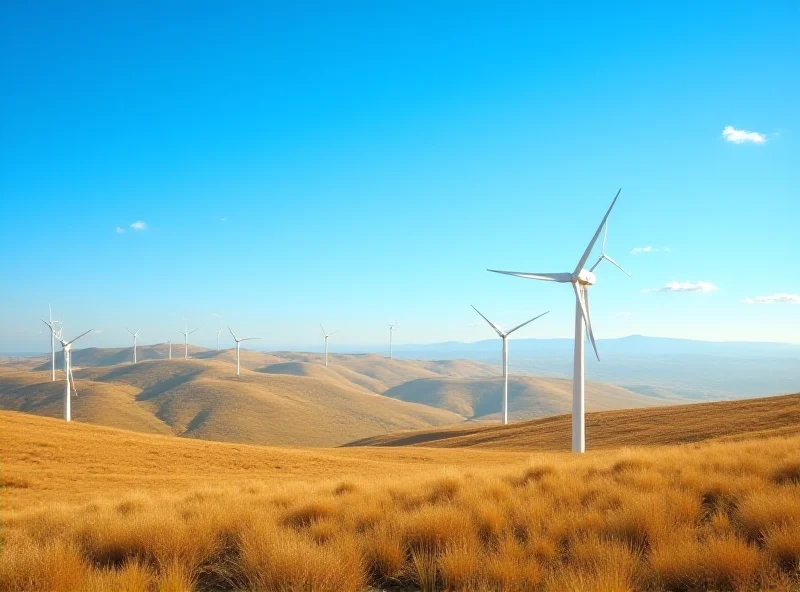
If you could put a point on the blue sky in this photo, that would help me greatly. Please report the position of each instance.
(352, 165)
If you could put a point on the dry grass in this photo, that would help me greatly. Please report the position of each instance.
(711, 516)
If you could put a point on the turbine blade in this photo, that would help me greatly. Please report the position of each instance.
(334, 333)
(547, 277)
(612, 262)
(129, 331)
(588, 250)
(582, 294)
(193, 330)
(232, 335)
(249, 338)
(72, 376)
(323, 330)
(495, 327)
(605, 237)
(78, 337)
(599, 261)
(526, 322)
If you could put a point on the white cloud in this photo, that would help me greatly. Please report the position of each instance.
(139, 225)
(637, 250)
(704, 287)
(119, 230)
(775, 299)
(731, 134)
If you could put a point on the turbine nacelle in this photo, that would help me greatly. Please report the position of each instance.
(586, 278)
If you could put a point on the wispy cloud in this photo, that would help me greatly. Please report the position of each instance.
(119, 230)
(704, 287)
(213, 314)
(139, 225)
(737, 136)
(649, 249)
(775, 299)
(223, 219)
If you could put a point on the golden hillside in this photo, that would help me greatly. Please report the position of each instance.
(205, 399)
(93, 508)
(748, 418)
(528, 396)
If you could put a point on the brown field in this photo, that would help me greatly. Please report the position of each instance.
(679, 424)
(92, 508)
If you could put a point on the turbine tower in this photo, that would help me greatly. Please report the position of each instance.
(504, 336)
(67, 349)
(391, 332)
(186, 334)
(326, 342)
(581, 280)
(170, 347)
(218, 332)
(238, 341)
(135, 337)
(52, 323)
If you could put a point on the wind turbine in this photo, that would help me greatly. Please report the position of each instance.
(326, 342)
(238, 341)
(170, 347)
(218, 332)
(504, 336)
(391, 332)
(581, 279)
(186, 334)
(135, 337)
(67, 348)
(51, 324)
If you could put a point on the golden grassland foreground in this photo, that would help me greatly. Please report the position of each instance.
(92, 508)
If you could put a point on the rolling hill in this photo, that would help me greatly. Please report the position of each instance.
(204, 399)
(678, 424)
(286, 398)
(528, 396)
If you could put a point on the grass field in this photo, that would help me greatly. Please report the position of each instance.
(91, 508)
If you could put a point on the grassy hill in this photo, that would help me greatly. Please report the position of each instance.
(205, 399)
(528, 396)
(748, 418)
(93, 508)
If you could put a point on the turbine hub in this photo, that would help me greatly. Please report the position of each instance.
(587, 278)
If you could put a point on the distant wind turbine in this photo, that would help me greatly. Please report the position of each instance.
(186, 334)
(218, 332)
(135, 337)
(67, 350)
(52, 324)
(170, 347)
(238, 341)
(504, 336)
(391, 332)
(581, 279)
(326, 342)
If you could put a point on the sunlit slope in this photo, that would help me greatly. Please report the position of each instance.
(205, 399)
(383, 373)
(748, 418)
(108, 404)
(76, 461)
(528, 396)
(112, 356)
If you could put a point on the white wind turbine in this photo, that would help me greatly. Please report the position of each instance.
(218, 332)
(135, 337)
(581, 279)
(52, 324)
(504, 336)
(326, 342)
(391, 332)
(170, 347)
(238, 341)
(67, 350)
(186, 334)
